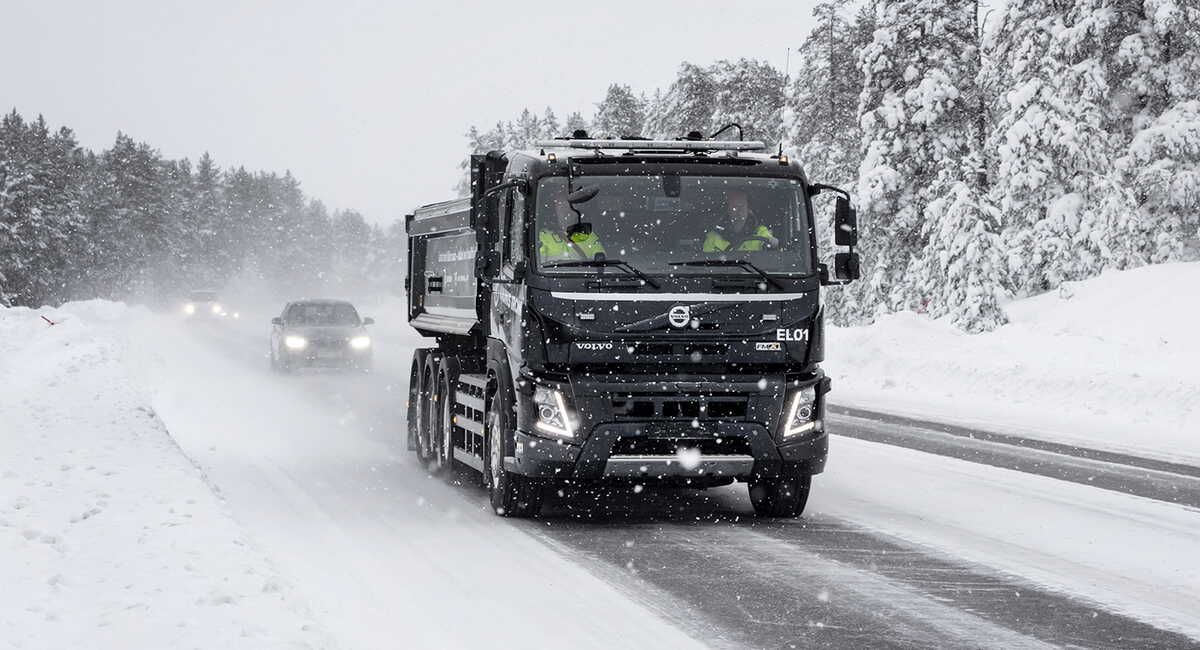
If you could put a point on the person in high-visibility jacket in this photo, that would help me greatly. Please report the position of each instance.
(737, 233)
(556, 244)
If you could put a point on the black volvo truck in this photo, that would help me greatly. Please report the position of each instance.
(625, 311)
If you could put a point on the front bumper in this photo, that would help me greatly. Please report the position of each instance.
(341, 358)
(613, 447)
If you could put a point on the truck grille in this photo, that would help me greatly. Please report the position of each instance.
(641, 407)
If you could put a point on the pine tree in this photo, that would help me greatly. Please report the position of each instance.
(550, 126)
(914, 105)
(621, 113)
(575, 122)
(1157, 66)
(688, 105)
(749, 93)
(1050, 142)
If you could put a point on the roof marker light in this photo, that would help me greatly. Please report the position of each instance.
(661, 145)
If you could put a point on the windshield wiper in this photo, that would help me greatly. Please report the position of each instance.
(742, 264)
(619, 264)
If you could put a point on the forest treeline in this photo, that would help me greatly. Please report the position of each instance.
(128, 224)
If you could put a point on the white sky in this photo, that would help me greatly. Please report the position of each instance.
(344, 94)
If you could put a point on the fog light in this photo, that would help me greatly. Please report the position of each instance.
(360, 342)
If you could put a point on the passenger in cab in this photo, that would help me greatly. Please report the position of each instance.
(737, 232)
(554, 242)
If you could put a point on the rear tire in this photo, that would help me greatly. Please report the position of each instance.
(512, 495)
(414, 399)
(781, 496)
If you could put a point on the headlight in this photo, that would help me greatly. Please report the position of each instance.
(216, 309)
(553, 418)
(189, 309)
(801, 411)
(295, 342)
(360, 342)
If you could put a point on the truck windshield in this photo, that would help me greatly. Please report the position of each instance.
(651, 221)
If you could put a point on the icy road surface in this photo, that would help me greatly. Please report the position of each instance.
(899, 548)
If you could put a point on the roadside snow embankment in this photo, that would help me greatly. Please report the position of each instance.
(1109, 363)
(109, 536)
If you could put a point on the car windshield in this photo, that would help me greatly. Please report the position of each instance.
(315, 313)
(203, 296)
(651, 221)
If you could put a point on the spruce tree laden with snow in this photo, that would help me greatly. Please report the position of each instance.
(620, 113)
(917, 110)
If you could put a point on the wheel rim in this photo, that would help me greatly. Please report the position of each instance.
(447, 427)
(495, 458)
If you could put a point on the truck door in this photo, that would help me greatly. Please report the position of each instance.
(508, 289)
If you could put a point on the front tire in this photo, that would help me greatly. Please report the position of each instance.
(781, 496)
(512, 495)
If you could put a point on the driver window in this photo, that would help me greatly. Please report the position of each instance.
(516, 229)
(504, 215)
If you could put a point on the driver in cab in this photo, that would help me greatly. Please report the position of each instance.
(737, 233)
(556, 243)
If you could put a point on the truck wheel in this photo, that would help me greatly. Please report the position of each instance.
(512, 495)
(444, 438)
(414, 399)
(425, 406)
(439, 429)
(781, 496)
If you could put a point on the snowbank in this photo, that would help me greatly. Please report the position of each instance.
(1110, 363)
(109, 536)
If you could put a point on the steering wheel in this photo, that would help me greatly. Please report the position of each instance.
(766, 241)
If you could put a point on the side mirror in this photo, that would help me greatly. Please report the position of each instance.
(583, 194)
(368, 321)
(845, 223)
(846, 267)
(277, 321)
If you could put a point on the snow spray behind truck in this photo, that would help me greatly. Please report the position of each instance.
(625, 311)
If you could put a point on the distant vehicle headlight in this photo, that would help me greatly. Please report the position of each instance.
(360, 342)
(295, 342)
(189, 309)
(216, 309)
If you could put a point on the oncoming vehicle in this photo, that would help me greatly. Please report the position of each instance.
(202, 304)
(625, 311)
(320, 333)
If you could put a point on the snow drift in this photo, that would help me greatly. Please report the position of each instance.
(1109, 362)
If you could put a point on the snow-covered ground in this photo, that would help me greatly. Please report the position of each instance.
(109, 536)
(1110, 362)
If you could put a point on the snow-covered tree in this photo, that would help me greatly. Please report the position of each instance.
(575, 122)
(620, 113)
(917, 109)
(1051, 146)
(748, 93)
(688, 105)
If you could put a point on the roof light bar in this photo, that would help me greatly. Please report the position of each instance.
(660, 145)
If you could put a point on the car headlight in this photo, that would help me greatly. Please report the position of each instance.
(360, 342)
(553, 417)
(189, 309)
(216, 309)
(295, 342)
(801, 412)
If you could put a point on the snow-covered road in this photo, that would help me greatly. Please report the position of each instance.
(899, 547)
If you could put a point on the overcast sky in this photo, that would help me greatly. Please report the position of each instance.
(365, 103)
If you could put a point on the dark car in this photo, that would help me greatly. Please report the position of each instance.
(320, 333)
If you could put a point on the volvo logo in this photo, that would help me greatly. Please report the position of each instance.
(679, 316)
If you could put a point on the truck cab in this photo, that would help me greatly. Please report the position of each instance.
(625, 311)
